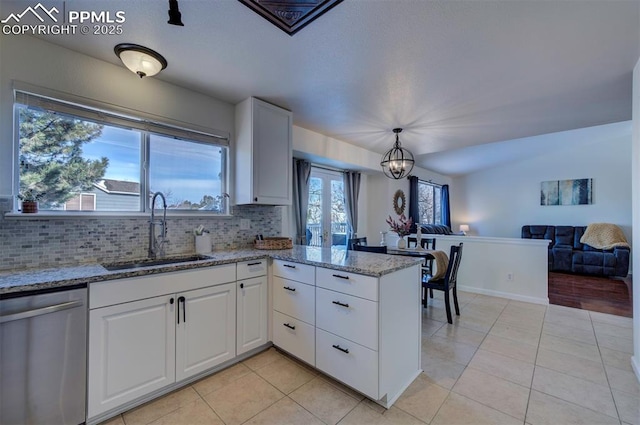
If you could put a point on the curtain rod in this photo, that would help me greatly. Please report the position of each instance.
(427, 181)
(327, 168)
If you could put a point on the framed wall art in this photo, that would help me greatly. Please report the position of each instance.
(566, 192)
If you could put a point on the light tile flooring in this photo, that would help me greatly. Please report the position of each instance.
(501, 362)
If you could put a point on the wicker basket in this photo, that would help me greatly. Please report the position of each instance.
(274, 243)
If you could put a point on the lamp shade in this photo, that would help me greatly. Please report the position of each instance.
(140, 60)
(464, 228)
(397, 162)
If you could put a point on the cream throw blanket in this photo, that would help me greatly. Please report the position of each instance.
(441, 262)
(604, 236)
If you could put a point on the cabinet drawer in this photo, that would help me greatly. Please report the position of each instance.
(294, 271)
(110, 292)
(347, 316)
(252, 268)
(346, 361)
(295, 337)
(294, 299)
(349, 283)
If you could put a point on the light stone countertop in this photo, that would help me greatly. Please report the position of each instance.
(334, 258)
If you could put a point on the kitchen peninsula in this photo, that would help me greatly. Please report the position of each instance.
(353, 315)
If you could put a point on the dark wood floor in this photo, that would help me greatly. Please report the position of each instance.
(606, 295)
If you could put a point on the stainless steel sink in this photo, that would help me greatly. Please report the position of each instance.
(125, 265)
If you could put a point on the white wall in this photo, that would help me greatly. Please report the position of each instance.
(499, 201)
(635, 255)
(47, 65)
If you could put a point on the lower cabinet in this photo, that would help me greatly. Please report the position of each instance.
(139, 347)
(205, 329)
(252, 314)
(131, 351)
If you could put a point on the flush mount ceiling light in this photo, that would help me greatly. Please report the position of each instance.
(398, 162)
(140, 60)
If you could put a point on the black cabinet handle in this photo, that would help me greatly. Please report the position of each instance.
(255, 199)
(184, 309)
(341, 276)
(289, 289)
(255, 264)
(289, 326)
(242, 286)
(344, 350)
(340, 304)
(290, 266)
(171, 300)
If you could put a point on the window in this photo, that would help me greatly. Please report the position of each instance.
(81, 159)
(429, 203)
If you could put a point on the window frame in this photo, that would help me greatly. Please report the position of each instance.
(111, 115)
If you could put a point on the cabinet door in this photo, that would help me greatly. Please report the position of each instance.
(205, 329)
(131, 351)
(252, 313)
(272, 154)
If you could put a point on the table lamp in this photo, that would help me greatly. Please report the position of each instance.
(464, 228)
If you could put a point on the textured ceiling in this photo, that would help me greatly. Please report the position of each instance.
(452, 73)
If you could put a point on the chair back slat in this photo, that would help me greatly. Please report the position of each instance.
(356, 241)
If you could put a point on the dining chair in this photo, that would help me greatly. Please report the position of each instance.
(446, 283)
(427, 266)
(356, 241)
(365, 248)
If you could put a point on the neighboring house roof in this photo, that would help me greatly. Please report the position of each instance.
(118, 187)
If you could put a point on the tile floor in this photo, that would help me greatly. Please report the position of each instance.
(501, 362)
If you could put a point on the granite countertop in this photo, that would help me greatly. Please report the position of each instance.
(334, 258)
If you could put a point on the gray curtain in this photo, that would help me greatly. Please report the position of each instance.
(351, 181)
(301, 173)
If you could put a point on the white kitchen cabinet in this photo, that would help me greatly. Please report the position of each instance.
(263, 155)
(294, 305)
(147, 333)
(252, 314)
(252, 305)
(131, 351)
(205, 329)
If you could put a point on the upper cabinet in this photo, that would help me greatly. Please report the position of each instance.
(263, 154)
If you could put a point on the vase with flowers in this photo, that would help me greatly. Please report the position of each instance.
(402, 228)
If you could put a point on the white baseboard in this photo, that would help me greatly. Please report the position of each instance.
(635, 364)
(508, 295)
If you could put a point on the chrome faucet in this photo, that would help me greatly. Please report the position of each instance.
(156, 242)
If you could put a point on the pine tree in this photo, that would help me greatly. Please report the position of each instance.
(51, 156)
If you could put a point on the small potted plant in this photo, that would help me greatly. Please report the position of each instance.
(402, 228)
(30, 198)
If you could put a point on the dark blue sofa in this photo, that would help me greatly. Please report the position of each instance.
(567, 254)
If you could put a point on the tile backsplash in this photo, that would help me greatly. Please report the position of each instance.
(55, 242)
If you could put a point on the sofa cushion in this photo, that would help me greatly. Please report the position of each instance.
(437, 229)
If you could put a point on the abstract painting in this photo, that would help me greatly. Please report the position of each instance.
(566, 192)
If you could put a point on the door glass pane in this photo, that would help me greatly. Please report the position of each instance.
(338, 214)
(314, 213)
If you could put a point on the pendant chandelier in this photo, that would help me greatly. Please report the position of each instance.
(398, 162)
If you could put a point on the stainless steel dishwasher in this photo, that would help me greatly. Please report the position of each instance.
(43, 357)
